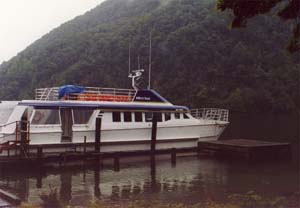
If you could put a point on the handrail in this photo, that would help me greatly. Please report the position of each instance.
(211, 114)
(18, 132)
(89, 94)
(7, 124)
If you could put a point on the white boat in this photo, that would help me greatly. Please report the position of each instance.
(61, 117)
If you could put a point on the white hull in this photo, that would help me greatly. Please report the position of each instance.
(58, 126)
(122, 140)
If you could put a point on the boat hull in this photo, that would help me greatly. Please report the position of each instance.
(125, 140)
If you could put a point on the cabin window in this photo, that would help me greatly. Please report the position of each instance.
(116, 116)
(82, 116)
(138, 117)
(185, 116)
(45, 117)
(148, 116)
(159, 117)
(177, 115)
(127, 117)
(167, 116)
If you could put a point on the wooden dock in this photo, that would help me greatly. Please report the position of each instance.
(247, 149)
(240, 148)
(234, 148)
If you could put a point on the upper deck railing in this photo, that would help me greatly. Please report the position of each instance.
(211, 114)
(89, 94)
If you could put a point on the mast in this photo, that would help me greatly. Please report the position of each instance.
(150, 60)
(129, 59)
(139, 64)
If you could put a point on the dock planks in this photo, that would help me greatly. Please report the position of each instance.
(247, 149)
(236, 148)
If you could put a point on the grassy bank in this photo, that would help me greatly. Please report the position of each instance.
(247, 200)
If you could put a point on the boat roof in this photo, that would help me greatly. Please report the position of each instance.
(102, 105)
(70, 96)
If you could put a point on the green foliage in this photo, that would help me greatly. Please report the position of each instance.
(252, 199)
(246, 200)
(197, 60)
(245, 9)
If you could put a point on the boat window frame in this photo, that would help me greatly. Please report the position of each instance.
(73, 118)
(124, 116)
(177, 117)
(44, 125)
(185, 116)
(120, 116)
(160, 117)
(142, 116)
(165, 116)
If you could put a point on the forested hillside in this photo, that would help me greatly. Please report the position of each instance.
(197, 59)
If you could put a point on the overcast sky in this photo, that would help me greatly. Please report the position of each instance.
(24, 21)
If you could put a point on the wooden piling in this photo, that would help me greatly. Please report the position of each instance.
(173, 157)
(24, 137)
(153, 133)
(39, 152)
(39, 181)
(84, 147)
(116, 162)
(98, 134)
(152, 166)
(97, 191)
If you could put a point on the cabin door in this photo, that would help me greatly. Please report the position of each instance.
(66, 124)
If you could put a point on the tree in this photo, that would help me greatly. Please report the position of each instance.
(246, 9)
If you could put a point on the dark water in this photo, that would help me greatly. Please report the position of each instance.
(192, 180)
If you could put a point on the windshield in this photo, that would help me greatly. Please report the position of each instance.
(6, 109)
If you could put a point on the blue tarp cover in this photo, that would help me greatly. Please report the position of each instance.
(68, 89)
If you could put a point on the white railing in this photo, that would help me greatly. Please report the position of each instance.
(46, 93)
(211, 114)
(15, 129)
(89, 94)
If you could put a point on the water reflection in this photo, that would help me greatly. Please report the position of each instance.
(65, 190)
(191, 180)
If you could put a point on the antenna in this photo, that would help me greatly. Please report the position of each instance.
(150, 60)
(135, 75)
(139, 65)
(129, 59)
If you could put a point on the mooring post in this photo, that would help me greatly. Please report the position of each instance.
(24, 136)
(173, 157)
(39, 152)
(116, 162)
(153, 171)
(200, 148)
(65, 158)
(39, 180)
(97, 191)
(98, 134)
(84, 146)
(153, 133)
